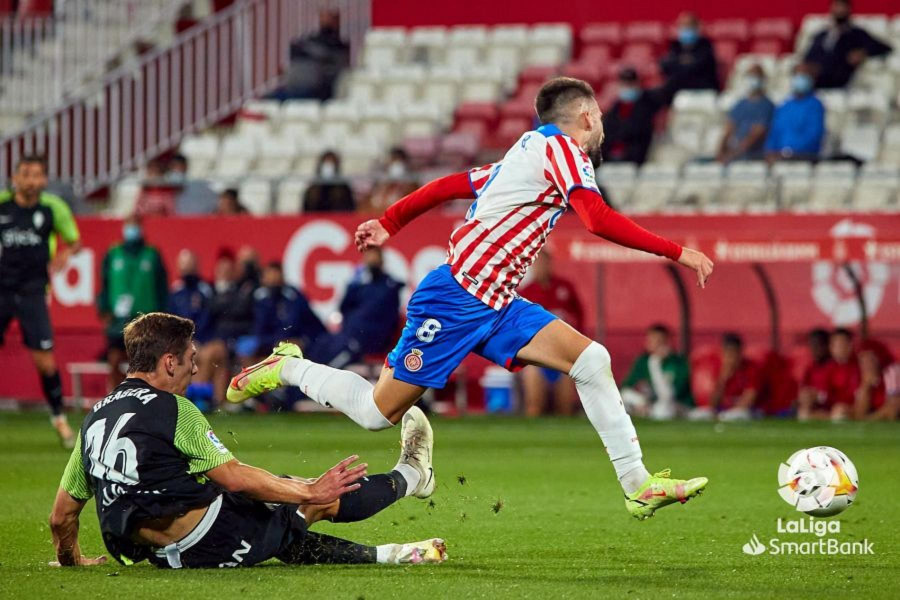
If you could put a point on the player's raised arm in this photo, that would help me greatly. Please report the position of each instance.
(603, 221)
(451, 187)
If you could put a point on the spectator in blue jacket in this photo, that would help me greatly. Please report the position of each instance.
(281, 312)
(370, 314)
(748, 121)
(798, 127)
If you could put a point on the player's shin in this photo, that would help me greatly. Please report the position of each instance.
(319, 549)
(376, 492)
(341, 390)
(603, 405)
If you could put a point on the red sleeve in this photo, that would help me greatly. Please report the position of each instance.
(603, 221)
(451, 187)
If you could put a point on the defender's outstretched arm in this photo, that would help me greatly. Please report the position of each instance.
(603, 221)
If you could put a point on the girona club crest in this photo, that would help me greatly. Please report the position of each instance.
(413, 361)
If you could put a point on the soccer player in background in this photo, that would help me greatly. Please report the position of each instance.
(32, 222)
(470, 304)
(168, 491)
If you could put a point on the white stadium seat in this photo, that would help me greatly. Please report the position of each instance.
(256, 195)
(201, 152)
(237, 155)
(289, 199)
(276, 156)
(861, 141)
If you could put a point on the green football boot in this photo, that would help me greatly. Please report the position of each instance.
(660, 490)
(262, 377)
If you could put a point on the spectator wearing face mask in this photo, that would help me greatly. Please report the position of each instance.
(330, 190)
(628, 125)
(748, 121)
(396, 183)
(798, 126)
(134, 282)
(370, 316)
(837, 51)
(690, 63)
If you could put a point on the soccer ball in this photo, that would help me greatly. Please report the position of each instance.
(819, 481)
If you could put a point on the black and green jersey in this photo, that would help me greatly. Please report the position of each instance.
(28, 238)
(142, 454)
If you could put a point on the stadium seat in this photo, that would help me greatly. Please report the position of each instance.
(601, 33)
(591, 72)
(427, 44)
(508, 130)
(835, 102)
(420, 119)
(482, 84)
(442, 86)
(379, 121)
(876, 188)
(402, 84)
(777, 28)
(890, 150)
(289, 198)
(506, 46)
(699, 187)
(867, 106)
(651, 32)
(256, 195)
(363, 86)
(550, 44)
(861, 141)
(384, 46)
(201, 152)
(237, 157)
(618, 180)
(596, 54)
(339, 119)
(794, 186)
(770, 46)
(832, 186)
(276, 156)
(736, 30)
(694, 107)
(655, 186)
(300, 118)
(537, 75)
(359, 157)
(463, 56)
(421, 150)
(746, 185)
(125, 195)
(458, 149)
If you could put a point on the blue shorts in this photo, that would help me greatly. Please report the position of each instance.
(444, 323)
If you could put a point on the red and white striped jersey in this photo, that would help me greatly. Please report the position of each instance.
(518, 201)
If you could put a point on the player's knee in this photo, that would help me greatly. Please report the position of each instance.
(594, 361)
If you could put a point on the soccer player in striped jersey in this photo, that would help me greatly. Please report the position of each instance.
(469, 304)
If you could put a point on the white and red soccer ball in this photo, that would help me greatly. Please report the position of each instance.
(819, 481)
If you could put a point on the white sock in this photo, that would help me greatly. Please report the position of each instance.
(411, 476)
(342, 390)
(384, 553)
(603, 405)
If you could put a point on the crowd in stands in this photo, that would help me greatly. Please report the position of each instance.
(246, 310)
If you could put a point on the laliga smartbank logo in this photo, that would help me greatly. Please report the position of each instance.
(820, 482)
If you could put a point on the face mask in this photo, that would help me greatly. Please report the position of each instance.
(328, 170)
(688, 36)
(629, 94)
(131, 232)
(396, 170)
(801, 84)
(753, 83)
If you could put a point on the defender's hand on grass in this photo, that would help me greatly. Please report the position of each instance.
(84, 561)
(371, 234)
(337, 481)
(698, 262)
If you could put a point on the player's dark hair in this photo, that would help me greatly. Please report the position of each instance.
(733, 340)
(231, 193)
(33, 159)
(660, 328)
(555, 96)
(844, 332)
(151, 336)
(274, 264)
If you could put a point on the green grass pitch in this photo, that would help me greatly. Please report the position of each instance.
(529, 509)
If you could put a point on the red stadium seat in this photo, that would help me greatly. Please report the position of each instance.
(768, 46)
(601, 33)
(458, 149)
(781, 29)
(476, 116)
(726, 50)
(592, 72)
(538, 75)
(736, 30)
(421, 150)
(509, 130)
(651, 32)
(596, 53)
(527, 91)
(639, 53)
(517, 108)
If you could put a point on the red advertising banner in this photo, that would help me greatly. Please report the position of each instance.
(623, 290)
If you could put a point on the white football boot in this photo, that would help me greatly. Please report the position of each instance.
(417, 443)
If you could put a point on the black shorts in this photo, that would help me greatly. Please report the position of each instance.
(236, 532)
(30, 309)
